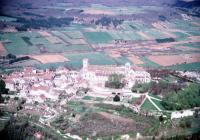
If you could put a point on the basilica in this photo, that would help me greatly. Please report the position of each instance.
(97, 74)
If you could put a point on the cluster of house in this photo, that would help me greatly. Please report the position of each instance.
(39, 85)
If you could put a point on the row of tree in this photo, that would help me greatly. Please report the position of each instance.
(42, 23)
(106, 21)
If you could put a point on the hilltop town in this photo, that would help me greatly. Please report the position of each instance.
(46, 95)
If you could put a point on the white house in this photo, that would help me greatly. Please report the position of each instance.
(181, 114)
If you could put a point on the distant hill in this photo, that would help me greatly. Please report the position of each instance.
(86, 2)
(187, 3)
(177, 3)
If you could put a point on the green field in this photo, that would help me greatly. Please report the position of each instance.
(185, 25)
(60, 48)
(8, 19)
(62, 36)
(16, 45)
(180, 36)
(50, 65)
(22, 43)
(125, 35)
(154, 33)
(122, 60)
(98, 37)
(194, 33)
(95, 58)
(74, 34)
(191, 45)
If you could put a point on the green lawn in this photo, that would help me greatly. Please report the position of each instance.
(147, 105)
(151, 95)
(158, 103)
(98, 37)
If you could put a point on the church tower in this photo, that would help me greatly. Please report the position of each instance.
(127, 68)
(85, 64)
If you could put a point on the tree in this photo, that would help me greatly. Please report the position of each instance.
(115, 81)
(161, 118)
(142, 88)
(11, 56)
(3, 89)
(186, 98)
(116, 98)
(185, 123)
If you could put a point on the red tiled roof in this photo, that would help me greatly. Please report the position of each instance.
(46, 88)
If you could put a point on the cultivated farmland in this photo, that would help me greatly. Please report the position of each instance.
(168, 60)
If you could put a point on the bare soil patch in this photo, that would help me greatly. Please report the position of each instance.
(114, 54)
(44, 33)
(2, 49)
(49, 58)
(135, 59)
